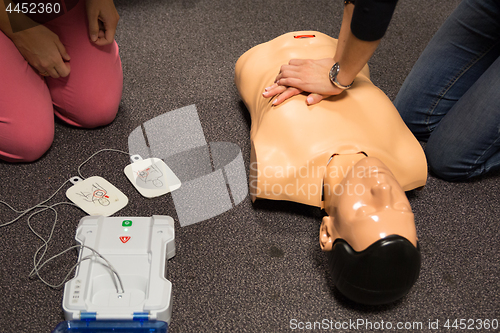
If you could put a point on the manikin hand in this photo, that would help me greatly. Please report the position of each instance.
(303, 75)
(103, 19)
(43, 50)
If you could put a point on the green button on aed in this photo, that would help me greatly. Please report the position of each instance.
(127, 223)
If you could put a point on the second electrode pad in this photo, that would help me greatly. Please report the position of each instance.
(151, 177)
(96, 196)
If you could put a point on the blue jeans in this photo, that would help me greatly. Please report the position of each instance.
(451, 98)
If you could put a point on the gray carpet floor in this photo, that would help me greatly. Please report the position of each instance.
(257, 267)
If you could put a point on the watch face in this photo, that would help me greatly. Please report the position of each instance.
(333, 77)
(334, 71)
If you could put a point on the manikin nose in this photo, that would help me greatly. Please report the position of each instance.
(381, 195)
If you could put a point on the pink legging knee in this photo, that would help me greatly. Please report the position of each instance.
(88, 97)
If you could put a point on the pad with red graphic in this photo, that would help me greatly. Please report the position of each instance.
(96, 196)
(151, 177)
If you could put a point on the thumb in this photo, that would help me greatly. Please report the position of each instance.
(93, 27)
(314, 99)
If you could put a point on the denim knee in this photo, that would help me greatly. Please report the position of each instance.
(445, 164)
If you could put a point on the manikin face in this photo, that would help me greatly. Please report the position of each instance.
(369, 204)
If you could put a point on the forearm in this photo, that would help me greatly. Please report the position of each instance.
(13, 22)
(4, 20)
(345, 30)
(354, 49)
(363, 26)
(352, 53)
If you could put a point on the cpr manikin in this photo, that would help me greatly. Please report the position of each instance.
(350, 154)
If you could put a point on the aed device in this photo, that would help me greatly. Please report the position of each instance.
(138, 298)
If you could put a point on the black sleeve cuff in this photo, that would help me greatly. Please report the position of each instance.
(371, 18)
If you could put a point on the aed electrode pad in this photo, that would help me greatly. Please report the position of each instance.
(151, 177)
(96, 196)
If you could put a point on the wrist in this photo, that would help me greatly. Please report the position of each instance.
(338, 80)
(345, 78)
(18, 26)
(19, 36)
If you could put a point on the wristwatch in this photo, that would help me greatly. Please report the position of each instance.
(334, 71)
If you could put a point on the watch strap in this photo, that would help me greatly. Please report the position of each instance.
(334, 72)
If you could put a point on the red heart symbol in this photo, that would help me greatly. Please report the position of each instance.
(124, 239)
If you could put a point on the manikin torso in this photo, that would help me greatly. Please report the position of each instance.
(293, 143)
(351, 155)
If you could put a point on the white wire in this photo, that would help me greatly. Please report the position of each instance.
(39, 205)
(46, 241)
(42, 207)
(37, 265)
(107, 264)
(24, 212)
(100, 151)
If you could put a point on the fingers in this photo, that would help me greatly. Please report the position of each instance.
(62, 50)
(289, 92)
(286, 92)
(53, 73)
(60, 68)
(55, 68)
(286, 71)
(103, 20)
(292, 75)
(278, 77)
(292, 82)
(110, 30)
(63, 69)
(106, 34)
(93, 18)
(298, 62)
(47, 71)
(273, 90)
(102, 30)
(297, 76)
(314, 99)
(44, 51)
(293, 67)
(291, 70)
(282, 93)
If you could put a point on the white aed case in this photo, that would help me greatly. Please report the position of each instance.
(137, 249)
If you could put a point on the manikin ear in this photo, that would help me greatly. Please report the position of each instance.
(325, 234)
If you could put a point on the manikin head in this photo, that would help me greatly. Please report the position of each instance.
(370, 234)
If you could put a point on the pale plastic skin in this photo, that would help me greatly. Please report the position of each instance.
(365, 216)
(307, 154)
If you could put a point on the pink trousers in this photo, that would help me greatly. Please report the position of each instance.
(88, 97)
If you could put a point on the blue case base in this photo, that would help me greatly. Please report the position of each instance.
(105, 326)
